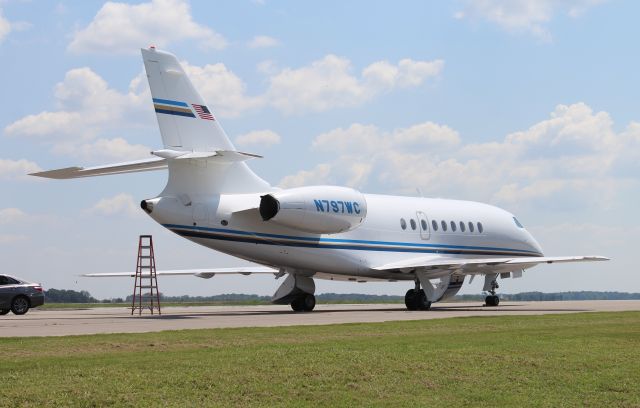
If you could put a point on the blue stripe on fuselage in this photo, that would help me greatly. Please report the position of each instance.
(214, 233)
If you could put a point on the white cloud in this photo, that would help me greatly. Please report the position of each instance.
(263, 41)
(223, 90)
(104, 150)
(324, 84)
(120, 28)
(17, 169)
(408, 73)
(12, 238)
(87, 109)
(565, 159)
(258, 137)
(5, 27)
(524, 16)
(121, 204)
(318, 175)
(329, 83)
(370, 139)
(11, 215)
(86, 106)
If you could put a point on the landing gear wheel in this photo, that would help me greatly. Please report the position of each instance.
(4, 311)
(410, 299)
(296, 305)
(304, 303)
(20, 305)
(416, 300)
(421, 301)
(308, 303)
(492, 300)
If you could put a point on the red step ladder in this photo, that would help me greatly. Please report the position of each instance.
(145, 278)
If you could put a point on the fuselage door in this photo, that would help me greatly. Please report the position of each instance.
(423, 225)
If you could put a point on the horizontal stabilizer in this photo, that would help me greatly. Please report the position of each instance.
(204, 273)
(155, 163)
(222, 156)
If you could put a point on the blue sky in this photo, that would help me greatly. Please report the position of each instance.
(528, 105)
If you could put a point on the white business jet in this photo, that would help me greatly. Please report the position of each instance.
(318, 232)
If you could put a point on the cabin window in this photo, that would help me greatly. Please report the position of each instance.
(434, 225)
(424, 225)
(517, 222)
(453, 226)
(403, 224)
(413, 224)
(470, 226)
(461, 226)
(444, 225)
(480, 229)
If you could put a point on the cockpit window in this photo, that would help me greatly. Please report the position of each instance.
(517, 222)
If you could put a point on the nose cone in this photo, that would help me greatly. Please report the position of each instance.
(533, 244)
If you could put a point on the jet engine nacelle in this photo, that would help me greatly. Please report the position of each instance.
(316, 209)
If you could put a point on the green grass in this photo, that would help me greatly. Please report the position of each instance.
(553, 360)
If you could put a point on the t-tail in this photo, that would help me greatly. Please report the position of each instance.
(197, 152)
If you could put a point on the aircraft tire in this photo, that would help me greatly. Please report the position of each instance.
(297, 305)
(308, 303)
(421, 301)
(410, 299)
(4, 311)
(20, 305)
(492, 300)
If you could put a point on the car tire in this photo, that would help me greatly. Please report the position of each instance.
(4, 311)
(20, 305)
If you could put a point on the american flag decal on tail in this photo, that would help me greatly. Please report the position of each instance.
(203, 112)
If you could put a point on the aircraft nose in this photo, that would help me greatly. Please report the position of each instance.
(533, 243)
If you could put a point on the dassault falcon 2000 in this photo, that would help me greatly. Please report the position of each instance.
(318, 232)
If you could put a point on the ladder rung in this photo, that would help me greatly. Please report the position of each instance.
(147, 287)
(145, 266)
(145, 256)
(145, 246)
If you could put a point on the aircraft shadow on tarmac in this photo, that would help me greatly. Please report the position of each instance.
(461, 308)
(170, 315)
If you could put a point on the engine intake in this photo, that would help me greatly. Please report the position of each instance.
(269, 207)
(317, 209)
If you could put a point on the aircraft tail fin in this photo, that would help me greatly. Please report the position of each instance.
(200, 157)
(187, 124)
(185, 121)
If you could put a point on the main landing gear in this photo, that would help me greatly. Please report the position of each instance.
(493, 299)
(297, 291)
(416, 299)
(303, 303)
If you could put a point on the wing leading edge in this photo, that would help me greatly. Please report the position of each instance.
(481, 265)
(204, 273)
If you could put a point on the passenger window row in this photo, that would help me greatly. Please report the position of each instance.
(443, 225)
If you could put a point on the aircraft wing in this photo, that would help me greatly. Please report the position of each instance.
(204, 273)
(481, 265)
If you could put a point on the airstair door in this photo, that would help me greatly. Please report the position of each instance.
(423, 225)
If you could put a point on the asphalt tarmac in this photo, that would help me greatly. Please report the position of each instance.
(43, 322)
